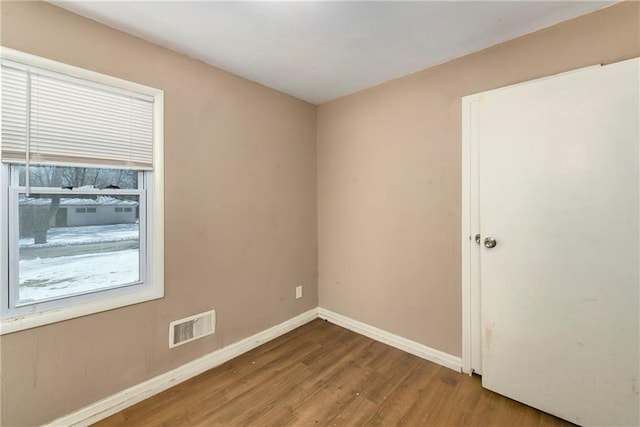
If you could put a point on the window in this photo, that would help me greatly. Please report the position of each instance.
(59, 255)
(81, 188)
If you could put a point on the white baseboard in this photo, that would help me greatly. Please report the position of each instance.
(119, 401)
(417, 349)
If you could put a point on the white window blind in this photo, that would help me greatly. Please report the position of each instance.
(50, 118)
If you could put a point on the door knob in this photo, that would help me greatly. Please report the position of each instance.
(490, 242)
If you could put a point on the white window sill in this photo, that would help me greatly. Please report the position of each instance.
(28, 321)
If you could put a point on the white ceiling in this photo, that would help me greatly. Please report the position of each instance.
(322, 50)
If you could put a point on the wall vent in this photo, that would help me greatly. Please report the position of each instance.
(191, 328)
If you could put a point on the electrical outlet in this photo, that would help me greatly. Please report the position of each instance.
(298, 292)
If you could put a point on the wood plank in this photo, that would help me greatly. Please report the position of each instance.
(325, 375)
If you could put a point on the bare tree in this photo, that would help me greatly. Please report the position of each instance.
(36, 221)
(42, 217)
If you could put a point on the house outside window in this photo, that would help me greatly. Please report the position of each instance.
(81, 187)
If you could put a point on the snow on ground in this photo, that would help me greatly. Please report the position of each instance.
(62, 236)
(54, 277)
(44, 278)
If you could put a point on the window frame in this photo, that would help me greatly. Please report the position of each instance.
(153, 183)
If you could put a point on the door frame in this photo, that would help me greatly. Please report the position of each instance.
(471, 334)
(471, 287)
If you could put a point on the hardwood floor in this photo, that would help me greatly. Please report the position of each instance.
(321, 374)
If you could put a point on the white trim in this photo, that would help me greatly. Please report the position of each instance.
(432, 355)
(471, 328)
(22, 322)
(155, 201)
(117, 402)
(103, 408)
(4, 233)
(467, 236)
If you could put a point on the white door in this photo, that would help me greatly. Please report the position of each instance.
(559, 191)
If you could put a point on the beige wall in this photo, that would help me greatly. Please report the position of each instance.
(240, 220)
(389, 183)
